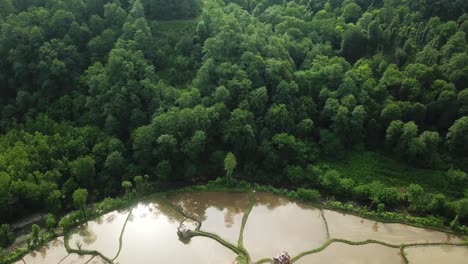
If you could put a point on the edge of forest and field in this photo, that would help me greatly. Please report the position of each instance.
(74, 219)
(359, 106)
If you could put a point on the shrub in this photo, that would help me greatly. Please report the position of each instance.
(50, 221)
(13, 255)
(70, 220)
(347, 186)
(422, 202)
(306, 195)
(376, 192)
(295, 174)
(312, 174)
(110, 203)
(6, 236)
(380, 208)
(331, 181)
(35, 237)
(457, 178)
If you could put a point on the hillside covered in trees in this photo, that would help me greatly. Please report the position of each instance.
(363, 100)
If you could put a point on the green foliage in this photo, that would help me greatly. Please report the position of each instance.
(365, 167)
(35, 238)
(50, 221)
(82, 169)
(230, 164)
(422, 202)
(380, 208)
(378, 193)
(6, 236)
(96, 93)
(35, 165)
(351, 12)
(127, 185)
(139, 183)
(171, 9)
(457, 136)
(307, 195)
(80, 197)
(354, 44)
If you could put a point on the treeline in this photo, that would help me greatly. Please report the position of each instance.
(42, 163)
(106, 93)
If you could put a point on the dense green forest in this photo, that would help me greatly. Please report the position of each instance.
(363, 100)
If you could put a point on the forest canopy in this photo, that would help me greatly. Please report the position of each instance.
(316, 94)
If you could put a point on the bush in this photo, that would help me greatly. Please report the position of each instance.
(376, 192)
(380, 208)
(347, 186)
(110, 203)
(422, 202)
(13, 256)
(50, 221)
(331, 181)
(6, 236)
(35, 237)
(295, 174)
(69, 221)
(306, 195)
(457, 178)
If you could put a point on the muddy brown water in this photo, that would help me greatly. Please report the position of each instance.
(274, 224)
(355, 228)
(102, 233)
(219, 214)
(54, 252)
(151, 234)
(339, 253)
(437, 255)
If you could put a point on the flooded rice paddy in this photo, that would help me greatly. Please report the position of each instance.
(258, 226)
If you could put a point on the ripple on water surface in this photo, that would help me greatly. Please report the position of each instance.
(355, 228)
(437, 255)
(220, 213)
(340, 253)
(276, 224)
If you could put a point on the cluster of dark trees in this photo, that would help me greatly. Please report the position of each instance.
(93, 93)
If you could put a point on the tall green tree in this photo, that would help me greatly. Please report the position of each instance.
(230, 164)
(353, 46)
(80, 196)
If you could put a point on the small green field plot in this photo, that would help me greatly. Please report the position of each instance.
(365, 167)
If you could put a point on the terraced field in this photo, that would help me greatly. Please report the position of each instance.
(249, 227)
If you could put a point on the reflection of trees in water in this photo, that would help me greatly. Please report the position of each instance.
(197, 204)
(111, 218)
(271, 202)
(375, 227)
(171, 214)
(87, 234)
(155, 209)
(43, 251)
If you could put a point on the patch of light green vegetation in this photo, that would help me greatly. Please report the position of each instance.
(365, 167)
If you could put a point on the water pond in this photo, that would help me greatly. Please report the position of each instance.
(260, 226)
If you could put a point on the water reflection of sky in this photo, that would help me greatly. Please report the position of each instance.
(274, 224)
